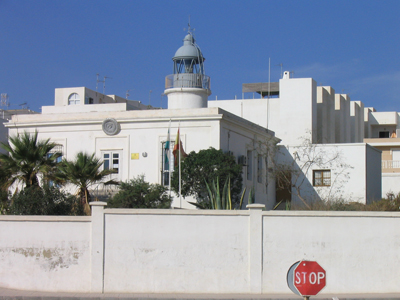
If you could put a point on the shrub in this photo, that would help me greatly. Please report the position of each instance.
(138, 193)
(35, 200)
(4, 202)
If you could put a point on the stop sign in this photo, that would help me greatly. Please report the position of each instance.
(306, 278)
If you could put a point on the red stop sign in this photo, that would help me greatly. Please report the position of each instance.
(307, 277)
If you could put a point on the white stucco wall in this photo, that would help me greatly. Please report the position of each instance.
(325, 114)
(355, 171)
(357, 121)
(45, 253)
(341, 242)
(297, 104)
(254, 110)
(390, 184)
(178, 251)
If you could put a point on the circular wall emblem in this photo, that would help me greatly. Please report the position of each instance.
(110, 126)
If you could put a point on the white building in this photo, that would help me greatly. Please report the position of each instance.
(382, 130)
(131, 136)
(306, 117)
(315, 124)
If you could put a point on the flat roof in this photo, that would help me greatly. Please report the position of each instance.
(261, 88)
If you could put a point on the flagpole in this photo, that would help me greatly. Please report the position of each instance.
(179, 157)
(169, 158)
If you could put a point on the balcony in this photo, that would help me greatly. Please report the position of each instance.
(390, 166)
(187, 80)
(383, 141)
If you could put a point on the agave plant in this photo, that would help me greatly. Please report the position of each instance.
(220, 200)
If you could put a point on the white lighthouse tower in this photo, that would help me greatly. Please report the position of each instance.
(188, 87)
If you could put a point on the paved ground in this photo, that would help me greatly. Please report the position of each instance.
(8, 294)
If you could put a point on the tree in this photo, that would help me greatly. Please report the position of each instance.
(206, 166)
(137, 193)
(83, 172)
(27, 158)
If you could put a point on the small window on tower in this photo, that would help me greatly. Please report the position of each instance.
(74, 99)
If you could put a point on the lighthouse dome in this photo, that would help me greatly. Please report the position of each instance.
(189, 50)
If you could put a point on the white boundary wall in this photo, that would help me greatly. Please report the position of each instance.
(193, 251)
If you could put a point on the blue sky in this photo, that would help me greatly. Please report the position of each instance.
(352, 46)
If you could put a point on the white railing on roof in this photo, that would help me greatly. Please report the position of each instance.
(390, 164)
(187, 80)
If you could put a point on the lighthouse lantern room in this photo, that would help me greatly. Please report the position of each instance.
(188, 87)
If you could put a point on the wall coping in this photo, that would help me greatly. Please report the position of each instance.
(345, 214)
(45, 218)
(270, 213)
(206, 212)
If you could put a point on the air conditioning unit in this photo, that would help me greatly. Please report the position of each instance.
(242, 160)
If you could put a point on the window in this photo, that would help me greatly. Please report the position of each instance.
(112, 160)
(249, 165)
(383, 134)
(56, 149)
(74, 99)
(259, 168)
(167, 160)
(321, 177)
(396, 154)
(88, 100)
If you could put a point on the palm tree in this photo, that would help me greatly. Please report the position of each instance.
(27, 158)
(83, 172)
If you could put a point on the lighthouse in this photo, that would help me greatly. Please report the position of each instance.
(189, 86)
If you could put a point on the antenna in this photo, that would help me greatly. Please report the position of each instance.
(189, 29)
(281, 65)
(97, 81)
(104, 84)
(150, 96)
(4, 100)
(127, 93)
(162, 94)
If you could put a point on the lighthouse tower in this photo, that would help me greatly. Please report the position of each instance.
(188, 87)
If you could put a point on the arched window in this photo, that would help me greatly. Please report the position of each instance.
(74, 99)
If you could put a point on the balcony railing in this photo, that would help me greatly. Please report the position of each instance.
(390, 164)
(187, 80)
(373, 141)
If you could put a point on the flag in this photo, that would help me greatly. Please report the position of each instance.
(178, 147)
(166, 151)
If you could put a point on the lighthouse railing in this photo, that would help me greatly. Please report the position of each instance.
(187, 80)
